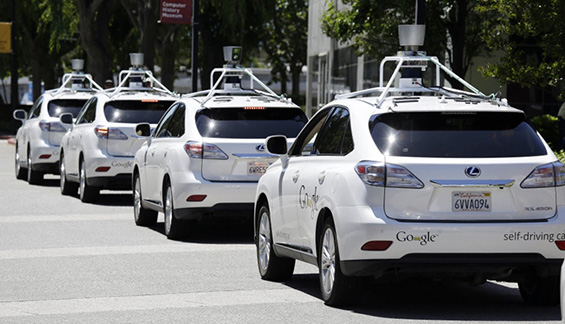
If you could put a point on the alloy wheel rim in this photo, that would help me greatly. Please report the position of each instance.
(264, 241)
(62, 174)
(18, 166)
(28, 167)
(327, 261)
(168, 210)
(82, 180)
(136, 199)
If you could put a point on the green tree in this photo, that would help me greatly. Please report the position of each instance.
(452, 27)
(531, 34)
(285, 41)
(226, 23)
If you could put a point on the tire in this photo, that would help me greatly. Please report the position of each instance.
(337, 289)
(21, 173)
(271, 267)
(541, 291)
(175, 229)
(67, 188)
(142, 216)
(33, 177)
(86, 193)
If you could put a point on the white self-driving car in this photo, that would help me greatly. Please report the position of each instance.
(414, 180)
(206, 155)
(97, 152)
(38, 139)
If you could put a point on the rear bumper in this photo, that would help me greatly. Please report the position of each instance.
(471, 266)
(224, 211)
(120, 181)
(456, 247)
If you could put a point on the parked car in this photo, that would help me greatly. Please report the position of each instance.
(39, 138)
(97, 152)
(206, 154)
(414, 179)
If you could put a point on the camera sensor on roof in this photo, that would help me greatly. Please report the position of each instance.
(232, 54)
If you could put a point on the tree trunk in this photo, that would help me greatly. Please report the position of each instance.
(169, 49)
(94, 30)
(148, 16)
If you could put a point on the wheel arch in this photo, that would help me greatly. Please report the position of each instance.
(323, 215)
(261, 201)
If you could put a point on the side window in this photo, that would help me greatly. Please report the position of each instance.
(162, 129)
(176, 126)
(334, 134)
(36, 108)
(304, 143)
(87, 113)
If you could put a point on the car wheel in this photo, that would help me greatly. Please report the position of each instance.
(21, 173)
(541, 291)
(86, 193)
(271, 266)
(143, 216)
(174, 228)
(33, 177)
(67, 188)
(337, 289)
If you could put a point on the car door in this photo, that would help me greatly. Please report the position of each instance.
(295, 196)
(166, 135)
(82, 125)
(320, 173)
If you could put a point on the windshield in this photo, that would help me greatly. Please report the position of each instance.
(136, 111)
(250, 123)
(62, 106)
(457, 135)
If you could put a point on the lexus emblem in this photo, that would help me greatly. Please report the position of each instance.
(260, 147)
(472, 172)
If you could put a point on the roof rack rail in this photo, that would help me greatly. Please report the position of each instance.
(231, 87)
(137, 76)
(76, 80)
(414, 60)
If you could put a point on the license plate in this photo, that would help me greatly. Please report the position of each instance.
(466, 201)
(257, 168)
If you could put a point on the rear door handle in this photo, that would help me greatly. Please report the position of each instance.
(295, 176)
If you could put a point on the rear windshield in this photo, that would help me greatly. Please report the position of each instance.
(457, 135)
(133, 111)
(250, 123)
(61, 106)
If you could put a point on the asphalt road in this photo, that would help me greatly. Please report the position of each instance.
(62, 261)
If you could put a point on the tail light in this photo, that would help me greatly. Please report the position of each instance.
(51, 126)
(199, 150)
(547, 175)
(386, 175)
(110, 133)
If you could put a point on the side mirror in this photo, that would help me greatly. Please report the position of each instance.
(143, 130)
(20, 114)
(277, 145)
(66, 118)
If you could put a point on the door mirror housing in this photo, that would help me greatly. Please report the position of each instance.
(20, 114)
(277, 144)
(143, 130)
(66, 118)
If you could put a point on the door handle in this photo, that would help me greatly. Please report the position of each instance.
(295, 176)
(321, 177)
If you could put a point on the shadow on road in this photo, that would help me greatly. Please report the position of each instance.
(215, 233)
(425, 299)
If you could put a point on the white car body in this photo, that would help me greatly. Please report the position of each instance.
(39, 138)
(398, 204)
(97, 152)
(211, 172)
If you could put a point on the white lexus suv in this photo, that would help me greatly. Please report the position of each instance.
(414, 179)
(206, 154)
(97, 152)
(39, 138)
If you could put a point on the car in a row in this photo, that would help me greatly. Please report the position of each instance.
(414, 179)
